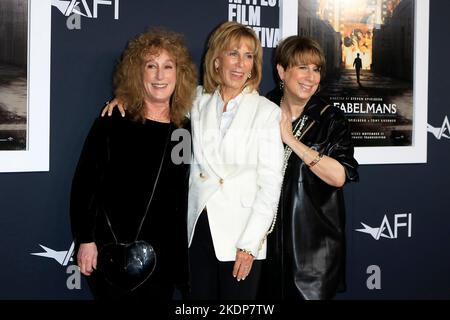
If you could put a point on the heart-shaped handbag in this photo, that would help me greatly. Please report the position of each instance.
(128, 265)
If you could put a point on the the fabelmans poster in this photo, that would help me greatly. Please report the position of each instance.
(373, 52)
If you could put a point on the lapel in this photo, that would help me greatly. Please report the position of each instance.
(234, 148)
(210, 134)
(314, 110)
(226, 157)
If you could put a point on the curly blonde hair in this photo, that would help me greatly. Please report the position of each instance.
(227, 35)
(128, 78)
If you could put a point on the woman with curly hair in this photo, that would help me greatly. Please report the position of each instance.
(127, 160)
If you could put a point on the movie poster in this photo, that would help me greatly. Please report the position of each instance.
(25, 85)
(369, 47)
(13, 74)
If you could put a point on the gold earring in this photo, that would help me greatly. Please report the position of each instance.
(249, 75)
(281, 85)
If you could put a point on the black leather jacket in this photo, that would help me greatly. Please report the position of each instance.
(306, 252)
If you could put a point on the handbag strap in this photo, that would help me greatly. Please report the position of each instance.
(151, 196)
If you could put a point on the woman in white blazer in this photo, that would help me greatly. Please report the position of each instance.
(236, 173)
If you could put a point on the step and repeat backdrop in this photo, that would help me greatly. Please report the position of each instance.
(398, 216)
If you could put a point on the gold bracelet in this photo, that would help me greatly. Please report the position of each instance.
(316, 160)
(246, 251)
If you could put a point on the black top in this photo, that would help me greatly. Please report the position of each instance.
(115, 175)
(306, 252)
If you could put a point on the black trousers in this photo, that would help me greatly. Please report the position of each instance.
(212, 279)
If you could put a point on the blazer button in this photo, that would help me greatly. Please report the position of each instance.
(221, 181)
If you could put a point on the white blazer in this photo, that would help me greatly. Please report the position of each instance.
(239, 181)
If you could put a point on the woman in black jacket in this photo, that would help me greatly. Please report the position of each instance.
(119, 169)
(306, 253)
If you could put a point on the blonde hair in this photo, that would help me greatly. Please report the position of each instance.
(128, 78)
(224, 37)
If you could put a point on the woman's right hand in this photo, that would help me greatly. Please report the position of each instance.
(110, 105)
(87, 258)
(286, 127)
(242, 265)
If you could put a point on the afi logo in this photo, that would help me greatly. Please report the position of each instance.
(63, 257)
(402, 220)
(374, 280)
(443, 131)
(68, 7)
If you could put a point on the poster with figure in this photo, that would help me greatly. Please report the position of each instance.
(24, 85)
(376, 56)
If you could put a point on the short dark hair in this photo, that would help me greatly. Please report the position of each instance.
(295, 50)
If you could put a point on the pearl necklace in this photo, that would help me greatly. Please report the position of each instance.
(297, 131)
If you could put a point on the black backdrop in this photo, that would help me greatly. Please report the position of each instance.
(34, 206)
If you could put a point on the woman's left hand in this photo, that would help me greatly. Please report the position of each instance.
(242, 265)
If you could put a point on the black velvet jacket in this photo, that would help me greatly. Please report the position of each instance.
(115, 175)
(306, 252)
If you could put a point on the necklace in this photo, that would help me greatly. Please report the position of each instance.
(293, 118)
(162, 117)
(297, 131)
(164, 120)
